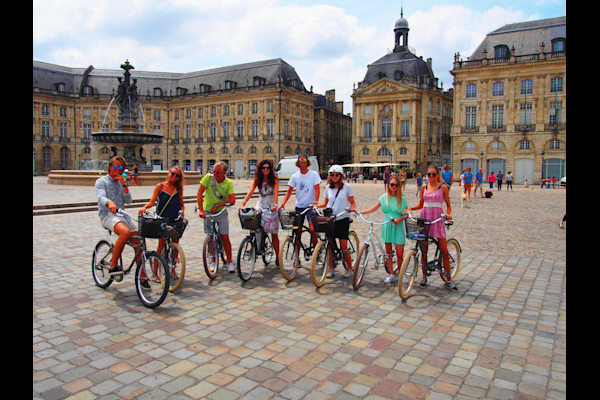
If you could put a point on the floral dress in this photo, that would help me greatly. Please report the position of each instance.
(270, 219)
(432, 210)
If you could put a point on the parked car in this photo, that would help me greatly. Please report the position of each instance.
(563, 181)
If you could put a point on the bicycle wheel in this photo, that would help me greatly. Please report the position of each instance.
(176, 261)
(289, 258)
(246, 259)
(101, 263)
(353, 247)
(210, 257)
(152, 279)
(454, 254)
(360, 266)
(268, 254)
(408, 273)
(320, 263)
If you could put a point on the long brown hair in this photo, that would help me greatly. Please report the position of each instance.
(258, 175)
(180, 183)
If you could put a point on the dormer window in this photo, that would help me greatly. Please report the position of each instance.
(558, 45)
(204, 88)
(59, 87)
(181, 91)
(230, 85)
(501, 52)
(87, 90)
(258, 81)
(157, 92)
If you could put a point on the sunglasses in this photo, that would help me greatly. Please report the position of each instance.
(431, 174)
(118, 167)
(302, 160)
(265, 167)
(393, 184)
(335, 174)
(175, 174)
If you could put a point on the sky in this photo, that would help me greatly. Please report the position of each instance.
(329, 43)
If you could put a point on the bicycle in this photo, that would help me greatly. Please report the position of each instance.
(212, 247)
(151, 275)
(327, 253)
(417, 229)
(289, 250)
(257, 243)
(362, 261)
(173, 253)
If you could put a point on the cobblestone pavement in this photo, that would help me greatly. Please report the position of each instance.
(501, 336)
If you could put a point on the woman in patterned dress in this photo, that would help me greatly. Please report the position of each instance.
(433, 197)
(267, 183)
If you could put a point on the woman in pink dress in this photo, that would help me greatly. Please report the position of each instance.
(433, 197)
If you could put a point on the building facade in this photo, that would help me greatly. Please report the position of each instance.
(240, 114)
(510, 103)
(333, 131)
(400, 115)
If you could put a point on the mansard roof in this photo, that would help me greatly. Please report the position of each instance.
(104, 81)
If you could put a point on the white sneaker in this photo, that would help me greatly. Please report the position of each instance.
(231, 268)
(348, 273)
(390, 278)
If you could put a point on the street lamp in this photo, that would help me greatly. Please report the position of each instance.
(481, 160)
(542, 178)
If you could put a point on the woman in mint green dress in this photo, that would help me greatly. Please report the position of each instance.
(392, 204)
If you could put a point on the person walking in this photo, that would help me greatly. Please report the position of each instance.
(434, 195)
(509, 181)
(267, 183)
(468, 183)
(447, 176)
(499, 177)
(491, 179)
(392, 203)
(478, 182)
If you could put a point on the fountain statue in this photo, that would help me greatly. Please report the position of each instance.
(128, 136)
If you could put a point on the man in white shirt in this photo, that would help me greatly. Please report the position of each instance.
(306, 182)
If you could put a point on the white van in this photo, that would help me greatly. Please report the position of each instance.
(287, 166)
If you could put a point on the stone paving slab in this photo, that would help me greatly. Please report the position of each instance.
(501, 336)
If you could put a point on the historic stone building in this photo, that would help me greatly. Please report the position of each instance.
(240, 114)
(400, 115)
(510, 102)
(333, 131)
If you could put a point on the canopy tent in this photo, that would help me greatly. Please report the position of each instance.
(369, 165)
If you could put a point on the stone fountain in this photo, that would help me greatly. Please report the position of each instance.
(127, 140)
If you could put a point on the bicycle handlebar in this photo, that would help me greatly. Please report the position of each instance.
(373, 222)
(346, 210)
(441, 218)
(227, 207)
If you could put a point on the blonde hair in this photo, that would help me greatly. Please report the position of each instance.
(221, 164)
(398, 192)
(117, 158)
(437, 170)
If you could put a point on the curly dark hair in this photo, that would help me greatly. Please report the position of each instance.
(258, 175)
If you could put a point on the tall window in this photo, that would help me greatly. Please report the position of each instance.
(386, 129)
(556, 112)
(405, 129)
(471, 90)
(470, 117)
(368, 131)
(498, 116)
(525, 113)
(526, 86)
(498, 89)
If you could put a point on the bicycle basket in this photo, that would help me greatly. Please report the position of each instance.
(151, 227)
(174, 228)
(417, 230)
(250, 218)
(324, 224)
(286, 218)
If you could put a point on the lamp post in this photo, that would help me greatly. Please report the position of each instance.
(542, 177)
(481, 160)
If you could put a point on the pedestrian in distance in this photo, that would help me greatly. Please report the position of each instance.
(447, 176)
(265, 179)
(479, 183)
(419, 182)
(392, 203)
(491, 179)
(468, 183)
(434, 195)
(499, 177)
(509, 181)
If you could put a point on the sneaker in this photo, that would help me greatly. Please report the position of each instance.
(145, 285)
(450, 285)
(423, 282)
(348, 273)
(115, 271)
(231, 268)
(390, 278)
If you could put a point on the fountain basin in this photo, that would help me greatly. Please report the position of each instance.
(127, 137)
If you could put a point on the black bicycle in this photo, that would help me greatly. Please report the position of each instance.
(299, 240)
(327, 253)
(257, 243)
(212, 248)
(151, 275)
